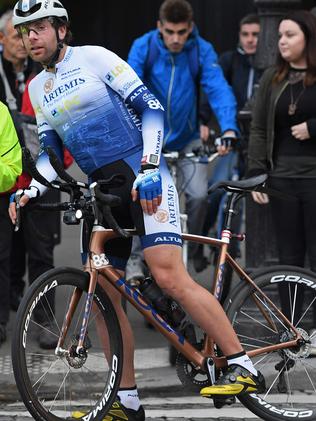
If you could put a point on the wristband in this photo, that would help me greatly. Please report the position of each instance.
(145, 167)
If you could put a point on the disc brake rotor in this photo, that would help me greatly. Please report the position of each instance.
(301, 351)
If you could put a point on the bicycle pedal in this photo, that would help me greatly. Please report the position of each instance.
(219, 402)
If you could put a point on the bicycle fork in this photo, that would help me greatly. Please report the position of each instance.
(76, 296)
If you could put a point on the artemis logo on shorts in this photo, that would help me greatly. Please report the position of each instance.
(172, 205)
(161, 216)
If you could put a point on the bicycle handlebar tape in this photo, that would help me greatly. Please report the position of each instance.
(31, 168)
(58, 167)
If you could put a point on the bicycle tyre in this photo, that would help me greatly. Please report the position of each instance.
(57, 388)
(290, 374)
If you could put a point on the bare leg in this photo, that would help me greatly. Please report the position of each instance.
(165, 262)
(128, 375)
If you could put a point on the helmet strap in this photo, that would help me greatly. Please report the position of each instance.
(54, 58)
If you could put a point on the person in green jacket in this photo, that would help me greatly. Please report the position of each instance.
(10, 151)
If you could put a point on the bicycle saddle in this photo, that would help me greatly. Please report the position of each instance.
(249, 184)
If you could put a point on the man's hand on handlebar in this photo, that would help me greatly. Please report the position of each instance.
(225, 143)
(148, 185)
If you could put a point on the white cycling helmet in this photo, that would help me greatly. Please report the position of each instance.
(26, 11)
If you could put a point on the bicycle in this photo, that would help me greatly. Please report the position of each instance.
(85, 359)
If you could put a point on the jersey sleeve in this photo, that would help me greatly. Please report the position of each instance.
(47, 137)
(120, 77)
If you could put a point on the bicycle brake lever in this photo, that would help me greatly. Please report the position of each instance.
(18, 195)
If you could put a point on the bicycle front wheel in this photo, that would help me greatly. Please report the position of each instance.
(66, 385)
(290, 373)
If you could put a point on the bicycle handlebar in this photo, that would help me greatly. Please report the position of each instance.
(62, 206)
(56, 164)
(194, 156)
(73, 188)
(32, 170)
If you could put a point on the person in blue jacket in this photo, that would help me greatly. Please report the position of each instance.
(174, 62)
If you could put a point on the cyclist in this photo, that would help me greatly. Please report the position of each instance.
(93, 102)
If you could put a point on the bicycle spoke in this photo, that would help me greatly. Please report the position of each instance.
(44, 374)
(58, 381)
(257, 321)
(290, 373)
(273, 314)
(309, 377)
(260, 341)
(306, 311)
(60, 387)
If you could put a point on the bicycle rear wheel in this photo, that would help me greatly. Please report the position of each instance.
(290, 374)
(69, 386)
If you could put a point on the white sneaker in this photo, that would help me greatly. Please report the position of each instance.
(312, 335)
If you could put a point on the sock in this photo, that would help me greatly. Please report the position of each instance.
(243, 360)
(129, 398)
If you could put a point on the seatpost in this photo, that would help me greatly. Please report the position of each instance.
(225, 237)
(230, 210)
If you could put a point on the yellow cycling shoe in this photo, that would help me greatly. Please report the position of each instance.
(118, 412)
(234, 381)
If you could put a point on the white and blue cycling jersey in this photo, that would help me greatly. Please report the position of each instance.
(96, 105)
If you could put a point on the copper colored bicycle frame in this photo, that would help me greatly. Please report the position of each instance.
(134, 296)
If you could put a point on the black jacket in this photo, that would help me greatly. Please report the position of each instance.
(12, 79)
(240, 73)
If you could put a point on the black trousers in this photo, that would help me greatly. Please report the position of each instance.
(295, 227)
(6, 232)
(30, 249)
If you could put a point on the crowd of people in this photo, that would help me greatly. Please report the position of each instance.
(168, 71)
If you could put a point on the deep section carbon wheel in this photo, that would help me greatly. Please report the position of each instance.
(60, 384)
(290, 373)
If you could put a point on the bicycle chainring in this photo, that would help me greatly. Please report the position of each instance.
(192, 378)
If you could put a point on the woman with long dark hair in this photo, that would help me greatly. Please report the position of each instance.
(283, 143)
